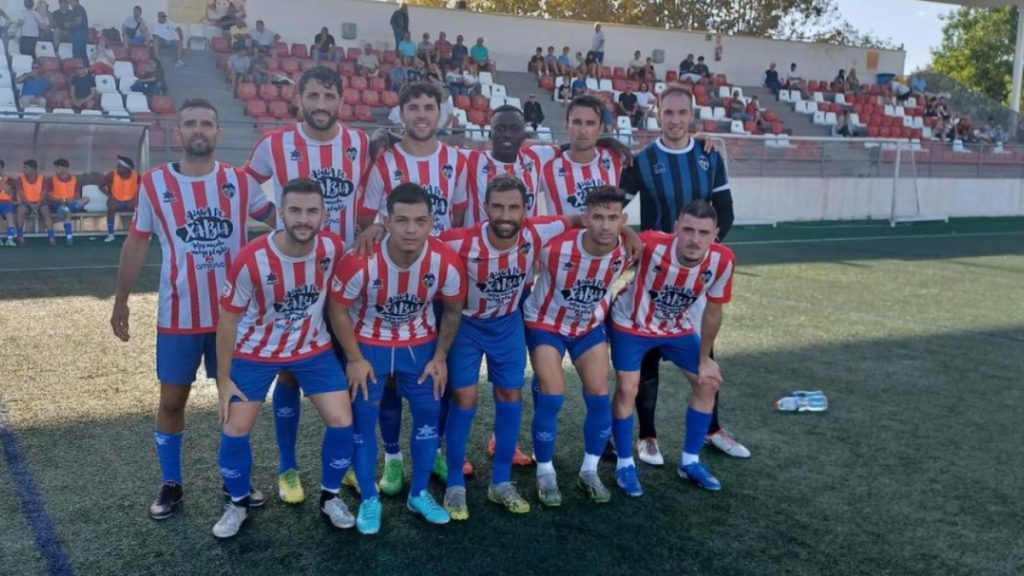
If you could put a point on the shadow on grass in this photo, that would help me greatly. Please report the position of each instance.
(913, 470)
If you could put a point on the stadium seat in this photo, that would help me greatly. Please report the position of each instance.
(7, 96)
(736, 127)
(111, 102)
(840, 98)
(751, 127)
(21, 64)
(544, 134)
(371, 98)
(604, 85)
(486, 90)
(353, 54)
(257, 109)
(136, 102)
(388, 57)
(289, 65)
(378, 84)
(899, 111)
(671, 76)
(513, 101)
(105, 83)
(480, 103)
(352, 97)
(45, 50)
(778, 128)
(705, 112)
(498, 90)
(486, 78)
(358, 83)
(831, 119)
(719, 113)
(306, 64)
(390, 100)
(547, 83)
(463, 101)
(161, 104)
(592, 84)
(246, 91)
(62, 111)
(652, 124)
(918, 122)
(659, 87)
(268, 92)
(138, 54)
(819, 117)
(346, 113)
(122, 69)
(855, 120)
(784, 96)
(280, 49)
(710, 126)
(273, 63)
(496, 101)
(478, 117)
(59, 81)
(818, 97)
(65, 51)
(364, 113)
(48, 64)
(287, 92)
(771, 116)
(300, 51)
(279, 109)
(461, 115)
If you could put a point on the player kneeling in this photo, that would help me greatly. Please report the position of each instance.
(675, 270)
(272, 319)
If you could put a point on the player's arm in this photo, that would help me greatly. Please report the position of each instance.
(631, 182)
(438, 366)
(358, 369)
(382, 139)
(133, 257)
(711, 322)
(107, 186)
(721, 197)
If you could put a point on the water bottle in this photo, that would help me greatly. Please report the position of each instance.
(803, 401)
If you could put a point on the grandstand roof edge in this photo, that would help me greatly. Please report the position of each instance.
(618, 25)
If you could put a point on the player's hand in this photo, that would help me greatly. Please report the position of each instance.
(227, 389)
(709, 372)
(119, 321)
(709, 144)
(359, 373)
(368, 239)
(438, 370)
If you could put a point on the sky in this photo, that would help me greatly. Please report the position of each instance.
(912, 23)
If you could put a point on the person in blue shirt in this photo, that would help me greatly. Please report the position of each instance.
(481, 55)
(407, 48)
(579, 85)
(34, 87)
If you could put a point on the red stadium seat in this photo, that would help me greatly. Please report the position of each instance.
(389, 99)
(49, 64)
(873, 131)
(547, 83)
(479, 117)
(288, 92)
(721, 80)
(268, 92)
(138, 54)
(884, 132)
(619, 73)
(306, 64)
(222, 61)
(347, 68)
(671, 76)
(353, 54)
(371, 98)
(346, 113)
(359, 83)
(710, 126)
(120, 51)
(462, 101)
(280, 49)
(771, 116)
(618, 84)
(481, 103)
(725, 103)
(632, 85)
(300, 51)
(378, 84)
(388, 57)
(247, 91)
(71, 65)
(751, 127)
(273, 64)
(702, 99)
(289, 65)
(58, 99)
(161, 104)
(58, 80)
(279, 109)
(257, 109)
(352, 97)
(364, 114)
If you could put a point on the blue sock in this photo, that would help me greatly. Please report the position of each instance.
(622, 430)
(235, 462)
(335, 456)
(21, 232)
(51, 234)
(364, 442)
(597, 425)
(168, 452)
(442, 416)
(697, 424)
(535, 389)
(67, 229)
(507, 418)
(391, 419)
(11, 232)
(460, 422)
(110, 224)
(287, 408)
(424, 441)
(545, 425)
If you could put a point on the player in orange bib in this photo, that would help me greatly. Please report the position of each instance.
(65, 198)
(31, 192)
(122, 189)
(7, 195)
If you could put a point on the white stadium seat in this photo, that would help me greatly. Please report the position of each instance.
(899, 111)
(105, 83)
(62, 111)
(855, 120)
(8, 111)
(818, 97)
(485, 90)
(7, 96)
(65, 51)
(918, 122)
(136, 102)
(605, 85)
(737, 127)
(124, 85)
(831, 119)
(33, 111)
(659, 87)
(623, 122)
(784, 96)
(486, 78)
(705, 113)
(461, 115)
(592, 83)
(719, 113)
(497, 101)
(111, 101)
(888, 110)
(819, 117)
(652, 123)
(45, 49)
(908, 122)
(544, 134)
(91, 113)
(513, 101)
(498, 90)
(841, 99)
(20, 64)
(123, 68)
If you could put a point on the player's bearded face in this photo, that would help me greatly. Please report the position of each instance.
(320, 106)
(505, 212)
(199, 131)
(695, 237)
(302, 214)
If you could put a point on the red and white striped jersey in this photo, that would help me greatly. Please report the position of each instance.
(281, 299)
(391, 306)
(574, 289)
(442, 174)
(340, 166)
(496, 278)
(566, 182)
(483, 168)
(656, 301)
(201, 225)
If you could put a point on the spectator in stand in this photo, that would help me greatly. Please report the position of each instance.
(471, 78)
(263, 38)
(398, 75)
(839, 82)
(481, 55)
(771, 79)
(963, 131)
(637, 67)
(565, 62)
(754, 109)
(400, 23)
(701, 69)
(532, 112)
(579, 85)
(453, 80)
(459, 52)
(565, 89)
(853, 83)
(844, 128)
(151, 80)
(645, 99)
(417, 71)
(83, 90)
(444, 49)
(794, 81)
(35, 86)
(30, 22)
(407, 48)
(629, 106)
(649, 74)
(78, 27)
(260, 68)
(239, 34)
(597, 43)
(224, 14)
(323, 47)
(426, 50)
(536, 63)
(551, 66)
(929, 107)
(688, 70)
(103, 58)
(990, 133)
(167, 34)
(591, 65)
(580, 64)
(448, 122)
(134, 29)
(900, 90)
(368, 64)
(608, 117)
(738, 108)
(59, 25)
(239, 67)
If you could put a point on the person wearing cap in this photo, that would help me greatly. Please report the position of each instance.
(64, 195)
(31, 193)
(167, 33)
(532, 112)
(122, 189)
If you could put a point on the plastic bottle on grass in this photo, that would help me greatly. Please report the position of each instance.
(802, 401)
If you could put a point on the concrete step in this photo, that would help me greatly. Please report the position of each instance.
(799, 124)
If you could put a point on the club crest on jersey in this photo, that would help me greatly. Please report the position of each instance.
(295, 156)
(526, 247)
(528, 165)
(429, 280)
(616, 265)
(351, 153)
(658, 269)
(531, 198)
(400, 309)
(336, 285)
(486, 169)
(568, 265)
(671, 301)
(607, 163)
(704, 163)
(706, 277)
(561, 171)
(271, 279)
(205, 225)
(584, 294)
(324, 264)
(227, 289)
(229, 190)
(448, 170)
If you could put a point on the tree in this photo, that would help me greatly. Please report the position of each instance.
(977, 49)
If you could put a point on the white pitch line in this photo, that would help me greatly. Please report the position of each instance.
(71, 268)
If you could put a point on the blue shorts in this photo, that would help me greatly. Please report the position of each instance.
(317, 374)
(577, 346)
(406, 364)
(502, 340)
(628, 350)
(178, 357)
(72, 207)
(123, 206)
(6, 208)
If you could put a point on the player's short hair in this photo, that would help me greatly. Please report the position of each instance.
(198, 103)
(605, 195)
(409, 193)
(677, 89)
(31, 164)
(301, 186)
(503, 183)
(414, 90)
(700, 209)
(61, 163)
(329, 77)
(506, 108)
(586, 101)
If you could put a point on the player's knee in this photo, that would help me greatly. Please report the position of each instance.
(465, 398)
(172, 407)
(507, 394)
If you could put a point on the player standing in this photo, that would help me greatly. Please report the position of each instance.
(272, 319)
(652, 314)
(382, 314)
(198, 209)
(668, 174)
(338, 157)
(566, 311)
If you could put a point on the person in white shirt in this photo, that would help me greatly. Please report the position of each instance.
(597, 44)
(29, 20)
(264, 38)
(167, 33)
(395, 117)
(449, 121)
(636, 67)
(367, 63)
(134, 29)
(644, 99)
(470, 79)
